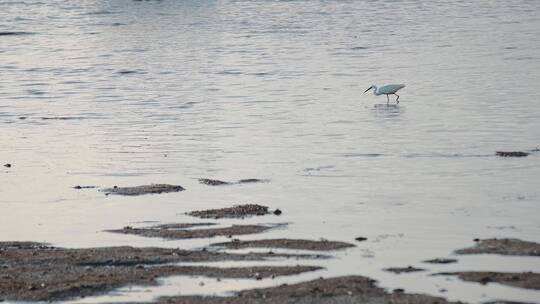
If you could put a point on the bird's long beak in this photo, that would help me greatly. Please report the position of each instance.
(368, 89)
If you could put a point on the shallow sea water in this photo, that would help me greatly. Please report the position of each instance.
(135, 92)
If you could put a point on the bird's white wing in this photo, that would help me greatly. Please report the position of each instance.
(390, 88)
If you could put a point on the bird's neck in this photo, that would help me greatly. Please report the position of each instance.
(375, 91)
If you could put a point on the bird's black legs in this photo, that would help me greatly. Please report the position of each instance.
(397, 99)
(387, 99)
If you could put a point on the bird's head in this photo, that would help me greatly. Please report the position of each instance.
(371, 87)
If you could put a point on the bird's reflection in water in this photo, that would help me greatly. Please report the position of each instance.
(387, 110)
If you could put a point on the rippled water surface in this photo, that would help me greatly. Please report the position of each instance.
(134, 92)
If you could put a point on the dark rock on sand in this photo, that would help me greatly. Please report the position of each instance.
(504, 247)
(144, 189)
(238, 211)
(399, 270)
(348, 289)
(212, 182)
(277, 212)
(286, 244)
(7, 165)
(511, 153)
(529, 280)
(361, 239)
(38, 272)
(440, 261)
(179, 231)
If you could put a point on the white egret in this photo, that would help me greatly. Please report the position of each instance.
(389, 89)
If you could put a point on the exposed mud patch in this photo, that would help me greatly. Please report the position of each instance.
(217, 182)
(511, 153)
(38, 272)
(504, 247)
(15, 33)
(144, 189)
(239, 211)
(127, 72)
(348, 289)
(212, 182)
(399, 270)
(256, 272)
(62, 118)
(323, 245)
(529, 280)
(179, 231)
(78, 187)
(252, 180)
(440, 261)
(507, 302)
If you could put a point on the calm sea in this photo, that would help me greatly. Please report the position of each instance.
(125, 93)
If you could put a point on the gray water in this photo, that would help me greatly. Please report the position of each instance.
(134, 92)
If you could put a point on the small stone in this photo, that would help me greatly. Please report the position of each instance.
(476, 240)
(361, 239)
(277, 212)
(201, 283)
(7, 165)
(399, 290)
